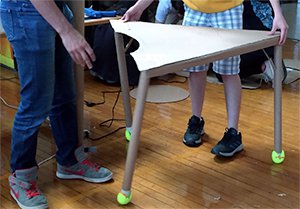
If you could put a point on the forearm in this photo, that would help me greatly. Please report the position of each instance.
(49, 10)
(134, 13)
(276, 7)
(74, 42)
(279, 22)
(143, 4)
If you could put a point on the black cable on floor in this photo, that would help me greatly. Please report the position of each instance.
(104, 123)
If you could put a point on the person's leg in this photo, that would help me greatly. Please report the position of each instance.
(251, 63)
(72, 162)
(197, 84)
(229, 69)
(33, 42)
(233, 94)
(63, 115)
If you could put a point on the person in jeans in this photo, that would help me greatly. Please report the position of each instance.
(44, 43)
(168, 11)
(226, 14)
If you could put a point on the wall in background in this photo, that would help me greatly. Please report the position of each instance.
(291, 12)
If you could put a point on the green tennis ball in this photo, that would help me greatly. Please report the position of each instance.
(278, 157)
(123, 199)
(127, 135)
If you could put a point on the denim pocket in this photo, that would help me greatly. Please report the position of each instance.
(7, 23)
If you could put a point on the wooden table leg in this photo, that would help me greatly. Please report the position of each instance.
(124, 197)
(278, 154)
(124, 83)
(79, 72)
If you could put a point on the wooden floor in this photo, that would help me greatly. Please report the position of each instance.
(169, 174)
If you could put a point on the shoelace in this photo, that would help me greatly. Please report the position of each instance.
(32, 191)
(91, 165)
(226, 139)
(266, 78)
(194, 127)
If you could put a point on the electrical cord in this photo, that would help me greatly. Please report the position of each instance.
(91, 104)
(46, 160)
(106, 135)
(8, 105)
(1, 98)
(104, 123)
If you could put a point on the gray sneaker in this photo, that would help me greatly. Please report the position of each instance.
(24, 190)
(268, 74)
(84, 169)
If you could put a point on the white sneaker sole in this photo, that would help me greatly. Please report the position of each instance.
(92, 180)
(44, 206)
(238, 149)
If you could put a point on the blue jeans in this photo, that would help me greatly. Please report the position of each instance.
(47, 84)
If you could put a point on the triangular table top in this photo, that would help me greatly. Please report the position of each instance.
(163, 44)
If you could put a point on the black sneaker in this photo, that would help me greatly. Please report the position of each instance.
(192, 136)
(229, 144)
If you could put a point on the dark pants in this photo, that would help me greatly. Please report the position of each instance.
(251, 63)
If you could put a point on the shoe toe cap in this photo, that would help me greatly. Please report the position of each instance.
(105, 172)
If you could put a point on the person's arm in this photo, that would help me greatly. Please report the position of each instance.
(134, 13)
(279, 21)
(74, 42)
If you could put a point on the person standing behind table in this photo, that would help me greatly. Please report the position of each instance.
(220, 14)
(44, 43)
(258, 15)
(169, 11)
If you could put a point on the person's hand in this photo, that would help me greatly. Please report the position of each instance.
(135, 12)
(78, 48)
(280, 23)
(132, 14)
